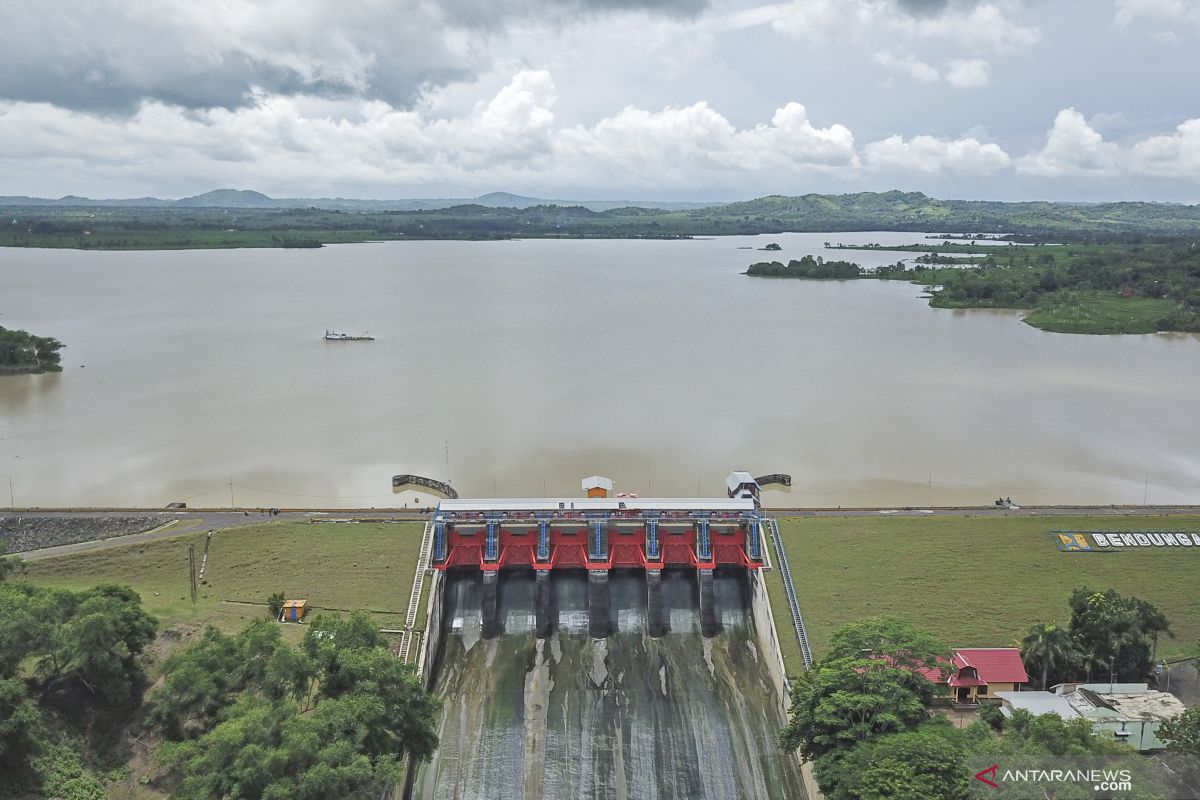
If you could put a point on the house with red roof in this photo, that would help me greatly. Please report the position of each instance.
(977, 673)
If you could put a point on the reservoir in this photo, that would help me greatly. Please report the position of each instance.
(514, 368)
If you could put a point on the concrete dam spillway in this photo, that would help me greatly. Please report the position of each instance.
(627, 715)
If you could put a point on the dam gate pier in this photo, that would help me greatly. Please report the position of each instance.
(598, 534)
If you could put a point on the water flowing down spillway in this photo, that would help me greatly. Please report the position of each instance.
(629, 716)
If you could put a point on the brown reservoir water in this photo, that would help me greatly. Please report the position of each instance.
(518, 367)
(680, 716)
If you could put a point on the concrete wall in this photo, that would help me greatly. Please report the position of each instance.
(768, 637)
(768, 647)
(433, 629)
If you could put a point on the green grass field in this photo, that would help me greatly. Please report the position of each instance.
(977, 582)
(1100, 313)
(363, 566)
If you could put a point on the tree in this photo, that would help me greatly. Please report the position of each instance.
(1115, 633)
(101, 643)
(891, 638)
(7, 565)
(1182, 737)
(1182, 734)
(914, 765)
(69, 663)
(1047, 647)
(275, 605)
(251, 716)
(870, 684)
(20, 723)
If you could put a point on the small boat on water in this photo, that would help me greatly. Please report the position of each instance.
(333, 336)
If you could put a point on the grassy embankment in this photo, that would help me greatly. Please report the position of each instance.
(976, 582)
(362, 566)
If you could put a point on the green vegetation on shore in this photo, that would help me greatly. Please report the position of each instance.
(865, 716)
(979, 581)
(1095, 287)
(807, 267)
(129, 227)
(21, 351)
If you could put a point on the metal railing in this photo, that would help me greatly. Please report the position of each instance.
(414, 599)
(789, 589)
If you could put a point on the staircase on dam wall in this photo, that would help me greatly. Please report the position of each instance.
(789, 589)
(414, 598)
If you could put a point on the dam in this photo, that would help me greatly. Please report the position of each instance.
(603, 648)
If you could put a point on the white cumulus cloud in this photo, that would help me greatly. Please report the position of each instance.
(1172, 156)
(929, 155)
(1073, 147)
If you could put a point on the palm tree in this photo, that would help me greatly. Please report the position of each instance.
(1047, 644)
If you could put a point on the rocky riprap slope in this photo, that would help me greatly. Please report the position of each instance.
(24, 533)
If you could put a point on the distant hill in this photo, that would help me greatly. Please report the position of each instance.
(228, 198)
(245, 198)
(897, 210)
(502, 214)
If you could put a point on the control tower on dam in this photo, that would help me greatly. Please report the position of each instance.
(604, 647)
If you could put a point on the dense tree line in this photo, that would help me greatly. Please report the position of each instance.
(1023, 278)
(21, 351)
(245, 715)
(807, 267)
(863, 715)
(1109, 636)
(108, 227)
(252, 716)
(70, 675)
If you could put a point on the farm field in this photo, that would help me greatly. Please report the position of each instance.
(978, 582)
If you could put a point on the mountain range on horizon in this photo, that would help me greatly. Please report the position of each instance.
(248, 198)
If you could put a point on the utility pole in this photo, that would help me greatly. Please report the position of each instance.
(192, 570)
(231, 503)
(11, 503)
(1146, 491)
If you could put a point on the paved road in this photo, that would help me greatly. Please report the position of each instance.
(187, 522)
(198, 520)
(990, 511)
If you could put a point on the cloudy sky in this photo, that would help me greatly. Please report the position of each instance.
(647, 99)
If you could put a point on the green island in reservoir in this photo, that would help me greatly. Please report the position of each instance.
(1095, 287)
(22, 352)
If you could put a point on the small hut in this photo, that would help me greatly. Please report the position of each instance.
(597, 486)
(293, 610)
